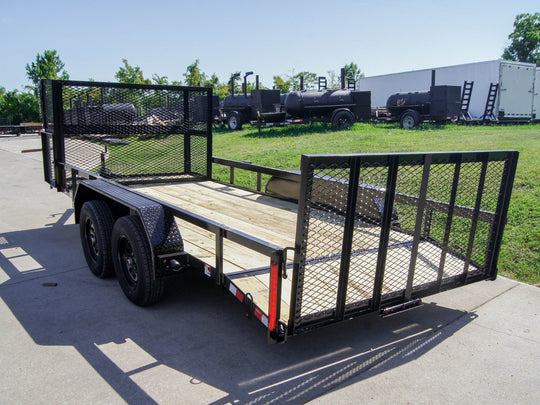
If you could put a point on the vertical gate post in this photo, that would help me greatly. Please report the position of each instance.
(418, 224)
(497, 228)
(348, 232)
(59, 152)
(187, 134)
(484, 158)
(449, 218)
(391, 182)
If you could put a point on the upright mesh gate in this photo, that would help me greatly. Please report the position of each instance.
(127, 132)
(381, 230)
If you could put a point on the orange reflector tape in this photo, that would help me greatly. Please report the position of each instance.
(272, 310)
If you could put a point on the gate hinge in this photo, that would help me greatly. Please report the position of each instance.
(388, 311)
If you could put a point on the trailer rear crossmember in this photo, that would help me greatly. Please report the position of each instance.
(344, 236)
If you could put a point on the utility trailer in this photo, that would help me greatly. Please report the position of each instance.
(440, 104)
(268, 108)
(261, 107)
(23, 128)
(345, 236)
(512, 99)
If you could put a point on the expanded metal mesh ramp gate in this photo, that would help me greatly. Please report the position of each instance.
(378, 230)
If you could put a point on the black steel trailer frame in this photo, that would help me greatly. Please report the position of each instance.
(348, 261)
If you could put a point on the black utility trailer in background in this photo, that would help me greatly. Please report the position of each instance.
(339, 107)
(439, 104)
(347, 235)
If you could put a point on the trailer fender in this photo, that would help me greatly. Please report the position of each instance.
(158, 222)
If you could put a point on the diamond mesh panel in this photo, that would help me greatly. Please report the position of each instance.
(433, 228)
(367, 232)
(397, 263)
(136, 132)
(490, 197)
(325, 224)
(460, 231)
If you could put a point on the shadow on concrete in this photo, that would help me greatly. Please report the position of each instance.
(197, 341)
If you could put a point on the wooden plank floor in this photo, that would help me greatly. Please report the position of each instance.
(274, 221)
(263, 217)
(266, 218)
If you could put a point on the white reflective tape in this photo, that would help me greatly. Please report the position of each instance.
(264, 320)
(232, 289)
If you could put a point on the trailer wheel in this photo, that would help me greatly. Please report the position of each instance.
(95, 227)
(342, 120)
(133, 262)
(409, 119)
(235, 121)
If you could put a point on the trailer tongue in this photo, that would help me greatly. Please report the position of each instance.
(347, 235)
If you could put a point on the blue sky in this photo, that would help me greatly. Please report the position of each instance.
(268, 37)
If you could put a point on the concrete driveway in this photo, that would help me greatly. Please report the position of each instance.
(68, 337)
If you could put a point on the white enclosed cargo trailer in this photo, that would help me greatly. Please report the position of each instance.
(514, 100)
(536, 96)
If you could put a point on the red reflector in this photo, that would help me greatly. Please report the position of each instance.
(239, 295)
(258, 314)
(272, 312)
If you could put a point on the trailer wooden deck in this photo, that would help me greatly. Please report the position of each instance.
(274, 221)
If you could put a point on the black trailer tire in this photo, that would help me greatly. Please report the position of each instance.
(95, 227)
(234, 120)
(133, 262)
(342, 120)
(409, 119)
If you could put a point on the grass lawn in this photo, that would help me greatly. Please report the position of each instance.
(283, 147)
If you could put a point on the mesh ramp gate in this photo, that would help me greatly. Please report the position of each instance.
(126, 132)
(380, 230)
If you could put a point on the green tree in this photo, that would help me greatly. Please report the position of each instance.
(161, 80)
(131, 74)
(310, 80)
(525, 40)
(333, 80)
(18, 107)
(219, 89)
(235, 79)
(353, 71)
(46, 66)
(222, 90)
(193, 75)
(212, 82)
(282, 84)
